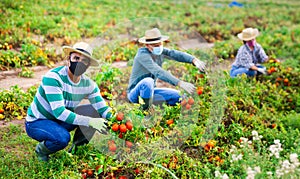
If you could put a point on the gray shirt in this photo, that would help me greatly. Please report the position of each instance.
(148, 65)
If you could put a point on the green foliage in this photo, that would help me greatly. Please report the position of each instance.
(15, 102)
(32, 55)
(26, 73)
(29, 55)
(107, 77)
(9, 59)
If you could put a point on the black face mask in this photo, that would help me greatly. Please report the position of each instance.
(77, 68)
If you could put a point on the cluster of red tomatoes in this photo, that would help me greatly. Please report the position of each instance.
(121, 126)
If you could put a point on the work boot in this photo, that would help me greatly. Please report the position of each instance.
(147, 103)
(82, 136)
(42, 151)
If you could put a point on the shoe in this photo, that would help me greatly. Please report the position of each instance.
(42, 152)
(82, 136)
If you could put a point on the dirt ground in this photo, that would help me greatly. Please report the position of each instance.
(11, 78)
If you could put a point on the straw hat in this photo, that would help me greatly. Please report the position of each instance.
(83, 48)
(153, 36)
(248, 34)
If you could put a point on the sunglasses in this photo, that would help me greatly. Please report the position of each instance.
(78, 58)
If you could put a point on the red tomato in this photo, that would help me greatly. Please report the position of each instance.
(183, 102)
(188, 106)
(84, 170)
(170, 121)
(112, 147)
(129, 125)
(120, 116)
(128, 144)
(123, 128)
(90, 172)
(115, 127)
(84, 176)
(200, 91)
(137, 171)
(191, 101)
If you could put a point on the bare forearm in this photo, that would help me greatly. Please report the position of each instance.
(254, 68)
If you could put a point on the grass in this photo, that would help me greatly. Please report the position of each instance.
(18, 159)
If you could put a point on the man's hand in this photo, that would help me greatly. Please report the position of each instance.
(99, 124)
(199, 64)
(188, 87)
(262, 70)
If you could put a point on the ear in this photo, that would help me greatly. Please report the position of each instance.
(149, 47)
(67, 60)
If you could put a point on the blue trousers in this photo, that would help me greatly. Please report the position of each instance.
(241, 70)
(145, 89)
(56, 133)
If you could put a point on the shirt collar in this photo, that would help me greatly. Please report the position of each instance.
(248, 48)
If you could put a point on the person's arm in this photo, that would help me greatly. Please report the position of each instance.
(254, 68)
(147, 62)
(262, 54)
(52, 92)
(184, 57)
(178, 55)
(98, 102)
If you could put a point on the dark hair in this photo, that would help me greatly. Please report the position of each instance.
(244, 42)
(77, 52)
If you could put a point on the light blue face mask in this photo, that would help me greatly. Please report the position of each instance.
(157, 50)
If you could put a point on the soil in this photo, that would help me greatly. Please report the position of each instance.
(11, 78)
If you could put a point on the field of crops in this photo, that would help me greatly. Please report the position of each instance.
(230, 128)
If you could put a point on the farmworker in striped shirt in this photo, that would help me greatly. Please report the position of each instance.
(55, 110)
(147, 68)
(249, 55)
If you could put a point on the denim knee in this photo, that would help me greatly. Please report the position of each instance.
(231, 73)
(251, 73)
(175, 99)
(148, 83)
(64, 141)
(59, 143)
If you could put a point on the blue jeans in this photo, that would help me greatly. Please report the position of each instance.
(240, 70)
(145, 89)
(56, 133)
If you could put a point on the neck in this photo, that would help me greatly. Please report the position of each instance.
(74, 78)
(250, 47)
